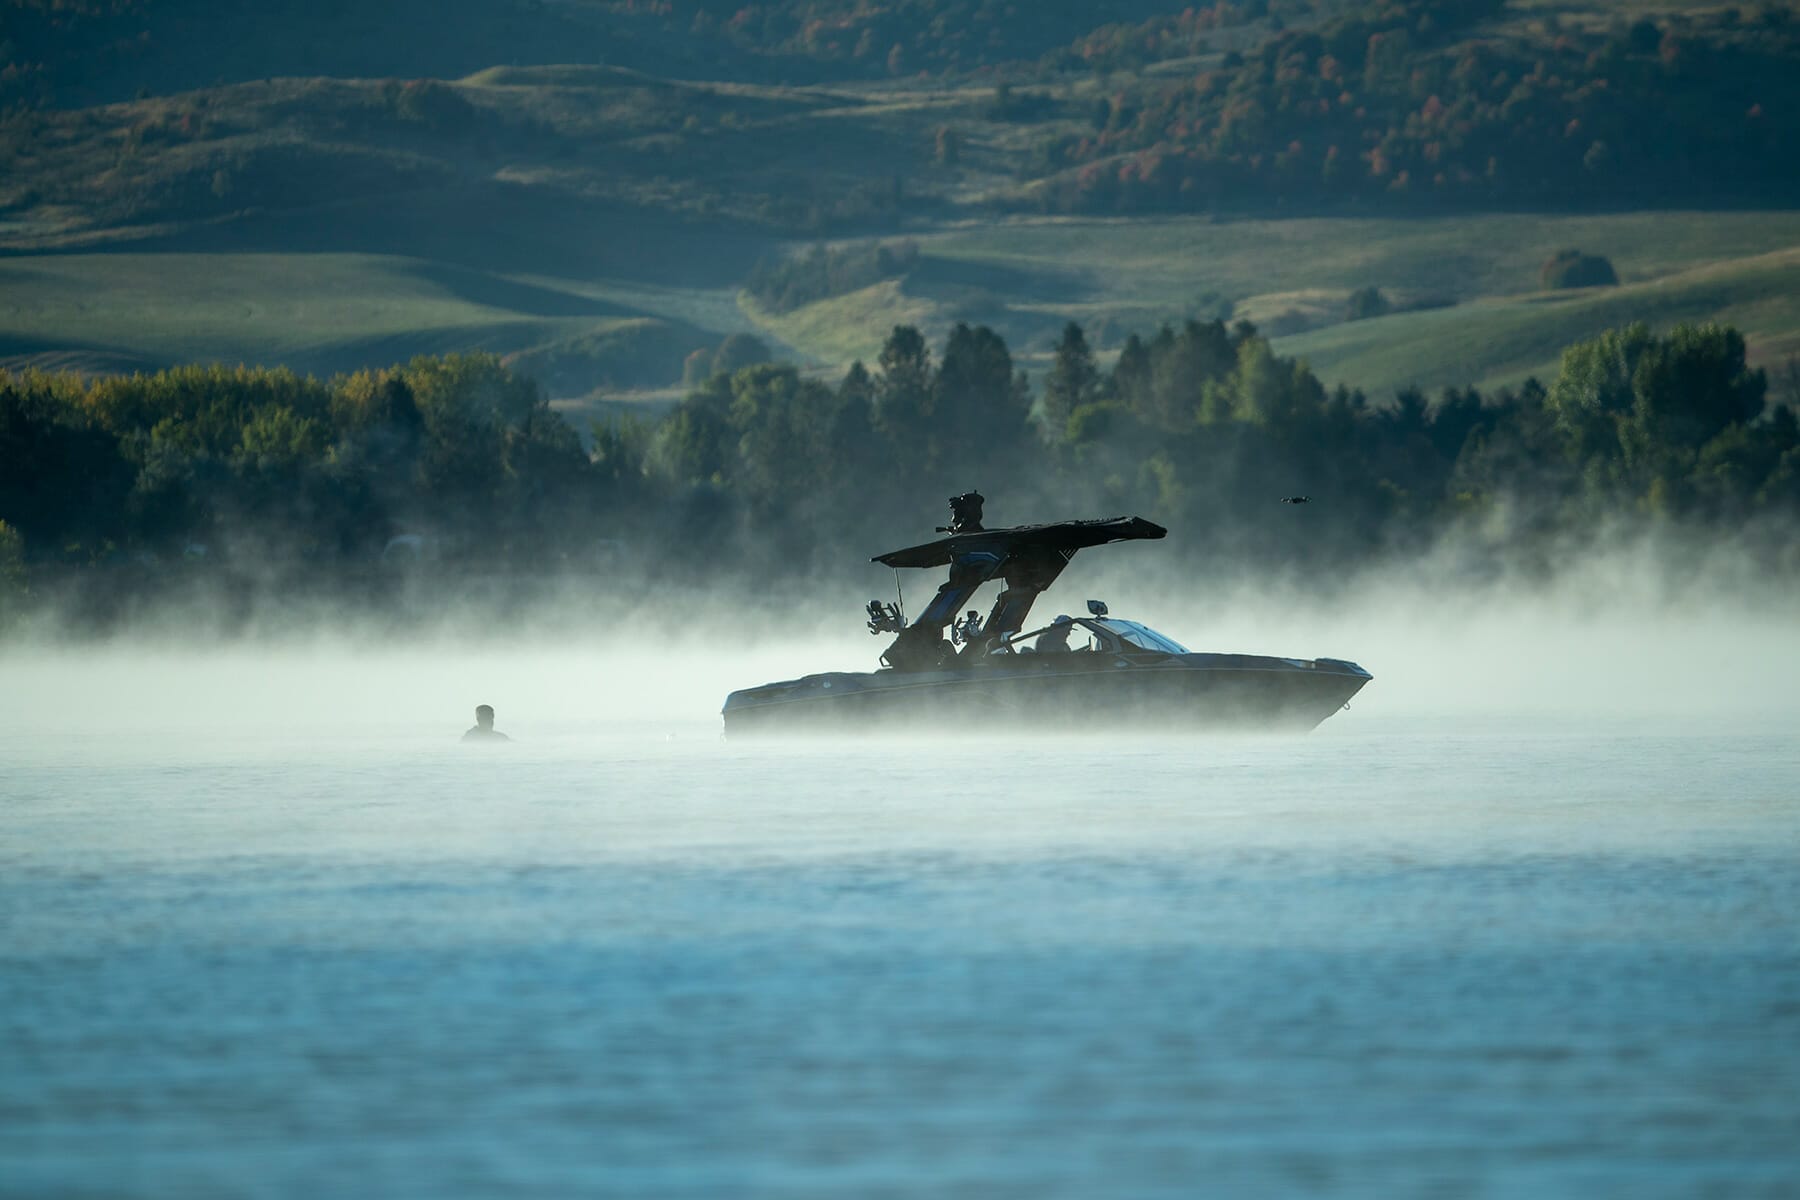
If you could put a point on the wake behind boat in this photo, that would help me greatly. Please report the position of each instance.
(1077, 671)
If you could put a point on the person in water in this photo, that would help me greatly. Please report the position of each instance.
(484, 730)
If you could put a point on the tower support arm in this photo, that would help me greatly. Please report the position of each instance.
(1029, 572)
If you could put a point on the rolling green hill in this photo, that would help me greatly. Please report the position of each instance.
(1491, 323)
(1503, 340)
(581, 331)
(313, 311)
(328, 313)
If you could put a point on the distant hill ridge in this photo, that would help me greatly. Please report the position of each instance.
(691, 105)
(72, 53)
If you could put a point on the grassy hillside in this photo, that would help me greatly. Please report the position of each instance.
(1118, 276)
(837, 331)
(81, 52)
(309, 310)
(1459, 257)
(574, 142)
(1504, 340)
(70, 53)
(582, 329)
(325, 313)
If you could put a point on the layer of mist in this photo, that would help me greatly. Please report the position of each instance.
(1616, 637)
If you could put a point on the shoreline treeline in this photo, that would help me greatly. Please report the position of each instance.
(118, 491)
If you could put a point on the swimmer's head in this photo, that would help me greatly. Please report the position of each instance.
(484, 715)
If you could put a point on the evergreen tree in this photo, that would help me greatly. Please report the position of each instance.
(906, 399)
(13, 580)
(854, 446)
(1129, 383)
(979, 405)
(1073, 381)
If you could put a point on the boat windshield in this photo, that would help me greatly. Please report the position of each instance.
(1141, 636)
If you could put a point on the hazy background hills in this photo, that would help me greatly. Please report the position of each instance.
(603, 188)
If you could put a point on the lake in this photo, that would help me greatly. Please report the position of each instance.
(268, 931)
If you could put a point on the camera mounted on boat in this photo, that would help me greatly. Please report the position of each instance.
(965, 631)
(885, 618)
(965, 514)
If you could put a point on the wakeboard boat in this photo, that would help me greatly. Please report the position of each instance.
(1086, 671)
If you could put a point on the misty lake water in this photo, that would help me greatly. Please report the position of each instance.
(1405, 955)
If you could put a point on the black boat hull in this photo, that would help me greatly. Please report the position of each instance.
(1058, 691)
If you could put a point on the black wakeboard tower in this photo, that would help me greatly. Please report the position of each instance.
(1027, 557)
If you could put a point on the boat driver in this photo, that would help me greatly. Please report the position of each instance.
(1055, 639)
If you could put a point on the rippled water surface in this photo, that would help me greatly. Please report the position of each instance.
(1394, 958)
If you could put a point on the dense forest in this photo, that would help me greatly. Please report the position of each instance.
(273, 488)
(1414, 103)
